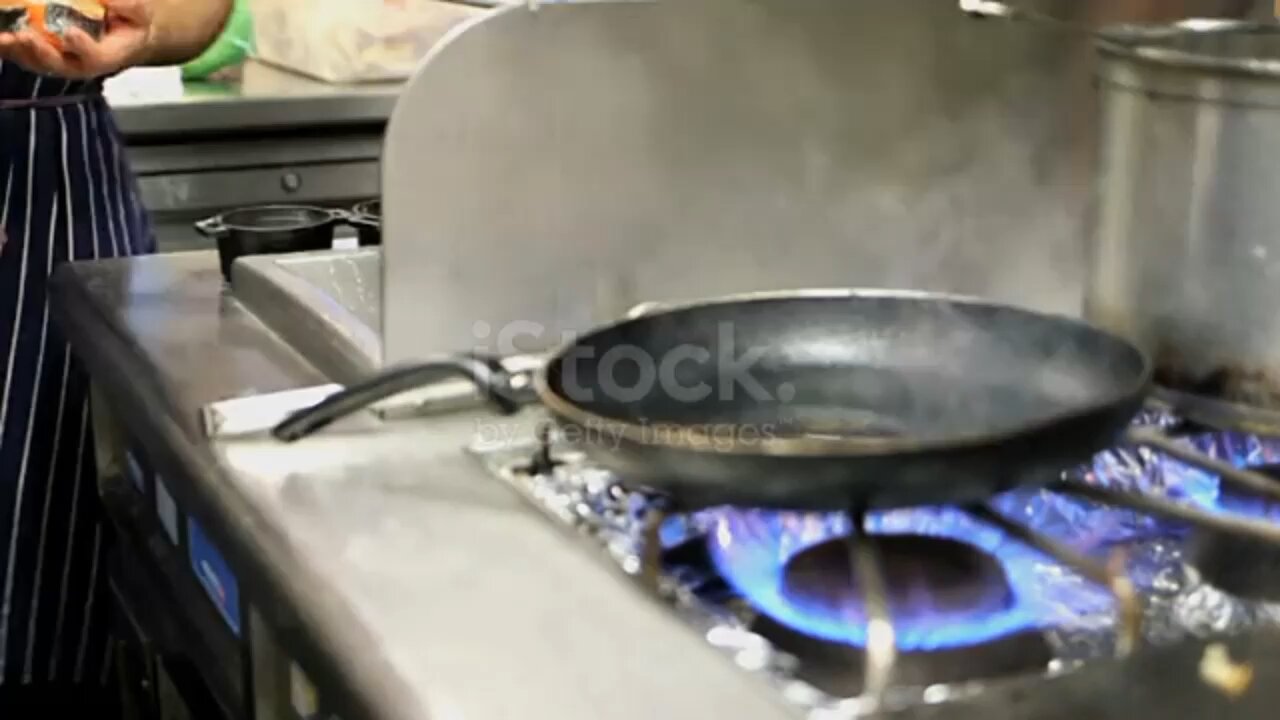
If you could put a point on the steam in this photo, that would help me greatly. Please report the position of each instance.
(599, 155)
(862, 144)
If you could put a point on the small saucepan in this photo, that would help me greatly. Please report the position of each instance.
(367, 219)
(271, 229)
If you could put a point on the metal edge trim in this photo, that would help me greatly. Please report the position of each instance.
(1126, 41)
(344, 658)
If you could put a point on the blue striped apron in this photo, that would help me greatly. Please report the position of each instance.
(67, 195)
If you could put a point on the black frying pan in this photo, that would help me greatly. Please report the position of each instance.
(821, 400)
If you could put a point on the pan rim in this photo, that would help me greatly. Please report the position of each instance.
(694, 439)
(322, 217)
(1135, 42)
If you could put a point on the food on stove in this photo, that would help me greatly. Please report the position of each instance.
(53, 18)
(1218, 670)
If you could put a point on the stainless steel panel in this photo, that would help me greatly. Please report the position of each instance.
(174, 233)
(548, 169)
(256, 151)
(264, 98)
(228, 189)
(324, 304)
(270, 668)
(176, 201)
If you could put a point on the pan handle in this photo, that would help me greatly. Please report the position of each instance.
(211, 227)
(357, 220)
(988, 9)
(506, 391)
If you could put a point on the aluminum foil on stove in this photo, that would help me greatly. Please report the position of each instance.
(1077, 616)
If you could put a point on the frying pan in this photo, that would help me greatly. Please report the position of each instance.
(815, 400)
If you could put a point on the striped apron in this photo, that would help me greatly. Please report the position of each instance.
(67, 195)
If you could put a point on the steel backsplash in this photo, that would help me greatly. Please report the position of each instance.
(546, 170)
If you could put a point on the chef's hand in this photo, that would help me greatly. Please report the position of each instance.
(124, 43)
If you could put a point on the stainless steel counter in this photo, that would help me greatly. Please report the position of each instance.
(266, 98)
(402, 576)
(390, 564)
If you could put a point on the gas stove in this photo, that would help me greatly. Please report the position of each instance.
(972, 601)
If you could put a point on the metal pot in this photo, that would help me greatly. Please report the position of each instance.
(1185, 253)
(367, 219)
(270, 229)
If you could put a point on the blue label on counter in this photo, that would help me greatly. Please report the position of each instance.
(215, 575)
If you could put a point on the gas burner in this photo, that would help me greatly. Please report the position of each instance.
(929, 578)
(785, 566)
(1236, 565)
(1010, 588)
(838, 669)
(1239, 565)
(1240, 503)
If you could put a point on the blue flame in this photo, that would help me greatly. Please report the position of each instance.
(1243, 451)
(751, 548)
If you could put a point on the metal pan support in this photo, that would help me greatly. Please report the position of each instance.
(881, 651)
